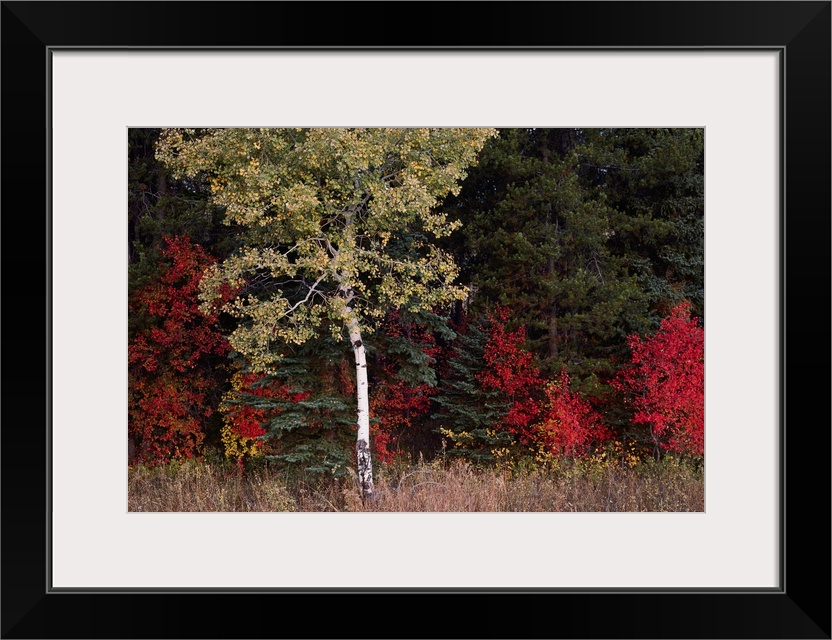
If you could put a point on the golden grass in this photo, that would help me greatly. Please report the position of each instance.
(454, 487)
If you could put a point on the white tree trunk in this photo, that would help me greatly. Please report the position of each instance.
(362, 445)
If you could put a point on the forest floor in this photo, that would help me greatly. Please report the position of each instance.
(668, 485)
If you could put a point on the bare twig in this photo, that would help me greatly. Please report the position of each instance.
(407, 475)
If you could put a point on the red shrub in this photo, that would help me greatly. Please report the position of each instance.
(666, 383)
(170, 377)
(510, 369)
(570, 426)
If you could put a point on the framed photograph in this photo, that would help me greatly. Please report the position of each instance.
(753, 76)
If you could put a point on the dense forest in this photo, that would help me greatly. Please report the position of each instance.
(332, 303)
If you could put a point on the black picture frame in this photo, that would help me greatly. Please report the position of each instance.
(800, 608)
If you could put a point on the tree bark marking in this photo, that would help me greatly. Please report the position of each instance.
(362, 445)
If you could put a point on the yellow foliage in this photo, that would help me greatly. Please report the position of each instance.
(236, 447)
(321, 207)
(239, 447)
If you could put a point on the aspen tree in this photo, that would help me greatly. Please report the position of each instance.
(338, 229)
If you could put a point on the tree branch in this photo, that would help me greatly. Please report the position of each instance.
(312, 290)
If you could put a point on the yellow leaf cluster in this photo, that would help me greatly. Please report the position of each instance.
(319, 209)
(238, 447)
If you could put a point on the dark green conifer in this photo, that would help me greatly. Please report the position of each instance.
(467, 415)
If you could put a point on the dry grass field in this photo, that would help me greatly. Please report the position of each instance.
(669, 486)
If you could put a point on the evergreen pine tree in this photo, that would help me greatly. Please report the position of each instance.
(467, 414)
(302, 414)
(536, 238)
(654, 180)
